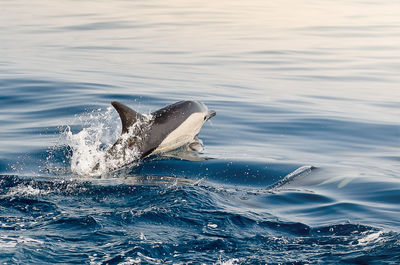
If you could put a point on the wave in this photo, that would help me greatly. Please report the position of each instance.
(156, 224)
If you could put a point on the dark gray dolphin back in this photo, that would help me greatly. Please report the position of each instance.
(166, 120)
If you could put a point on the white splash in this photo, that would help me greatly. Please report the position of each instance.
(371, 238)
(89, 146)
(22, 190)
(14, 241)
(233, 261)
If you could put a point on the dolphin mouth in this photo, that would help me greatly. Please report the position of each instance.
(210, 114)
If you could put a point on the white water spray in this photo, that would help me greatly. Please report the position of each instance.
(89, 146)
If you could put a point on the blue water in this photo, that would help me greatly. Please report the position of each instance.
(301, 163)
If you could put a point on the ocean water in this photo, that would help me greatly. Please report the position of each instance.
(300, 165)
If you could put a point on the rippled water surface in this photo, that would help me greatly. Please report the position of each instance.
(300, 165)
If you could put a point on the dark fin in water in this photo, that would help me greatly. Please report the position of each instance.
(128, 116)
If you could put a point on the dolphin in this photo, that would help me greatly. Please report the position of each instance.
(164, 130)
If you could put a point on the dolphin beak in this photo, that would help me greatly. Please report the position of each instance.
(209, 115)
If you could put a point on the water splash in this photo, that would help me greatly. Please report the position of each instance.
(90, 155)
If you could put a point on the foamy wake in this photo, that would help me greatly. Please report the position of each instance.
(89, 146)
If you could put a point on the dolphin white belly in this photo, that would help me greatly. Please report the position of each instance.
(184, 134)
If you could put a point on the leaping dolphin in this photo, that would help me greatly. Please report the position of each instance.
(164, 130)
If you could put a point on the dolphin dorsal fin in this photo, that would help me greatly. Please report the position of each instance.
(128, 116)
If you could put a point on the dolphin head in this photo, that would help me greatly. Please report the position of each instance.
(176, 125)
(210, 114)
